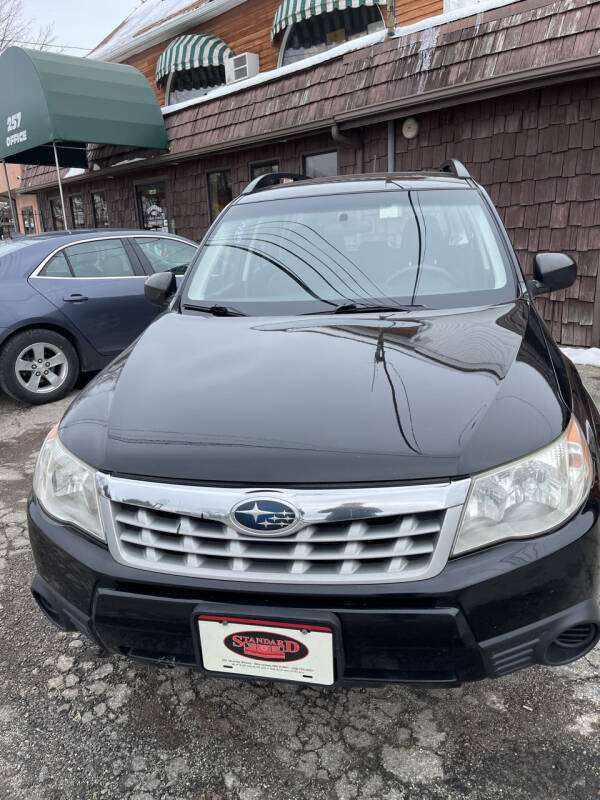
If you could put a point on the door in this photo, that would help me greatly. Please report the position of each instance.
(152, 206)
(100, 289)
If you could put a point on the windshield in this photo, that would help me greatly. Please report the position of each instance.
(313, 254)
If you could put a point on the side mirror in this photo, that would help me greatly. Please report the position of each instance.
(160, 288)
(552, 271)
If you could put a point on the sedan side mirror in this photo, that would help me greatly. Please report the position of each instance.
(552, 271)
(160, 288)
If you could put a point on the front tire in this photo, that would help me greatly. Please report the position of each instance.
(38, 366)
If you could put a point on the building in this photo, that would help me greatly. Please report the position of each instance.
(25, 205)
(512, 89)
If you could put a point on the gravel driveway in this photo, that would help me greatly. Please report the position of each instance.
(77, 723)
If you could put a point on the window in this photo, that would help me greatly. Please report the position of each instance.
(193, 83)
(77, 212)
(319, 33)
(166, 255)
(28, 220)
(191, 66)
(311, 254)
(57, 267)
(263, 168)
(100, 210)
(219, 191)
(152, 206)
(320, 165)
(98, 259)
(56, 212)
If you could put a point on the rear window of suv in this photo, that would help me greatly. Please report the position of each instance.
(435, 248)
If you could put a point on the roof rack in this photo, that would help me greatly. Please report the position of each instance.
(272, 179)
(456, 168)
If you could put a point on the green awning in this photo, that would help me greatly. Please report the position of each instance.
(191, 52)
(291, 11)
(49, 99)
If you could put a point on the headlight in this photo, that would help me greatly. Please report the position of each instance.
(527, 497)
(66, 487)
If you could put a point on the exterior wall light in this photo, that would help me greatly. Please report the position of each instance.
(410, 128)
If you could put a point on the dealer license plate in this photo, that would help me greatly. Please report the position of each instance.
(239, 646)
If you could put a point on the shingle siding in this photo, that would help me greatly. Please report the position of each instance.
(537, 152)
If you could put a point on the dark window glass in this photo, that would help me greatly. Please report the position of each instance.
(57, 267)
(58, 222)
(303, 255)
(321, 165)
(320, 33)
(190, 83)
(103, 259)
(77, 211)
(263, 169)
(152, 207)
(100, 210)
(219, 191)
(28, 220)
(166, 255)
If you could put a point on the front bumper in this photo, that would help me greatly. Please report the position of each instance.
(485, 614)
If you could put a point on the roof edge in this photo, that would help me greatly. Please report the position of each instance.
(163, 31)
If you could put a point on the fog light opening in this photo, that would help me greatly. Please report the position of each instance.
(572, 643)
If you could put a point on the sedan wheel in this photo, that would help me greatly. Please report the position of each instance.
(41, 368)
(38, 365)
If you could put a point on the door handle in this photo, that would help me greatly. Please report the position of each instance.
(74, 298)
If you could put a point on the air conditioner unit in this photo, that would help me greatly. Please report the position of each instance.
(238, 68)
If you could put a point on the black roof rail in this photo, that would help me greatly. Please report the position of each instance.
(272, 179)
(456, 168)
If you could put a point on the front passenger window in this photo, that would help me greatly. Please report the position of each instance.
(166, 255)
(99, 259)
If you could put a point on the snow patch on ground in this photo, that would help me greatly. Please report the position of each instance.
(585, 356)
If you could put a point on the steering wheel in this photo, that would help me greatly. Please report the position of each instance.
(439, 271)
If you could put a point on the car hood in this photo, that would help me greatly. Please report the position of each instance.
(327, 399)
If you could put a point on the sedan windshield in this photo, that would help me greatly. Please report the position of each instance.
(392, 248)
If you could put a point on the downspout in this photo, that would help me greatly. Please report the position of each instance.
(391, 146)
(355, 141)
(391, 18)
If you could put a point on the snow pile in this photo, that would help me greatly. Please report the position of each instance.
(584, 356)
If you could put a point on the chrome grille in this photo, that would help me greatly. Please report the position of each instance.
(383, 546)
(187, 531)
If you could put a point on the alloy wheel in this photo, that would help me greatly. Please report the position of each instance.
(41, 368)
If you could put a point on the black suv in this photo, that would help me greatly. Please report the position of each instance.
(349, 451)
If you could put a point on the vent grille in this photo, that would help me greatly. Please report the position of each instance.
(514, 658)
(577, 636)
(380, 548)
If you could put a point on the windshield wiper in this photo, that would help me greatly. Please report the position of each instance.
(216, 310)
(356, 308)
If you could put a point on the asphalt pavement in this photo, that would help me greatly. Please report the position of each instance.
(76, 722)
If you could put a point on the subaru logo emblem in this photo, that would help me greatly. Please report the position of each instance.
(264, 517)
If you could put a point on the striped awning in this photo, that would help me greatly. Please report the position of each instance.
(192, 51)
(291, 11)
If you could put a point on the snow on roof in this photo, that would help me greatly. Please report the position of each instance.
(154, 21)
(148, 15)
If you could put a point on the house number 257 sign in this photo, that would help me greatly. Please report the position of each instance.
(13, 123)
